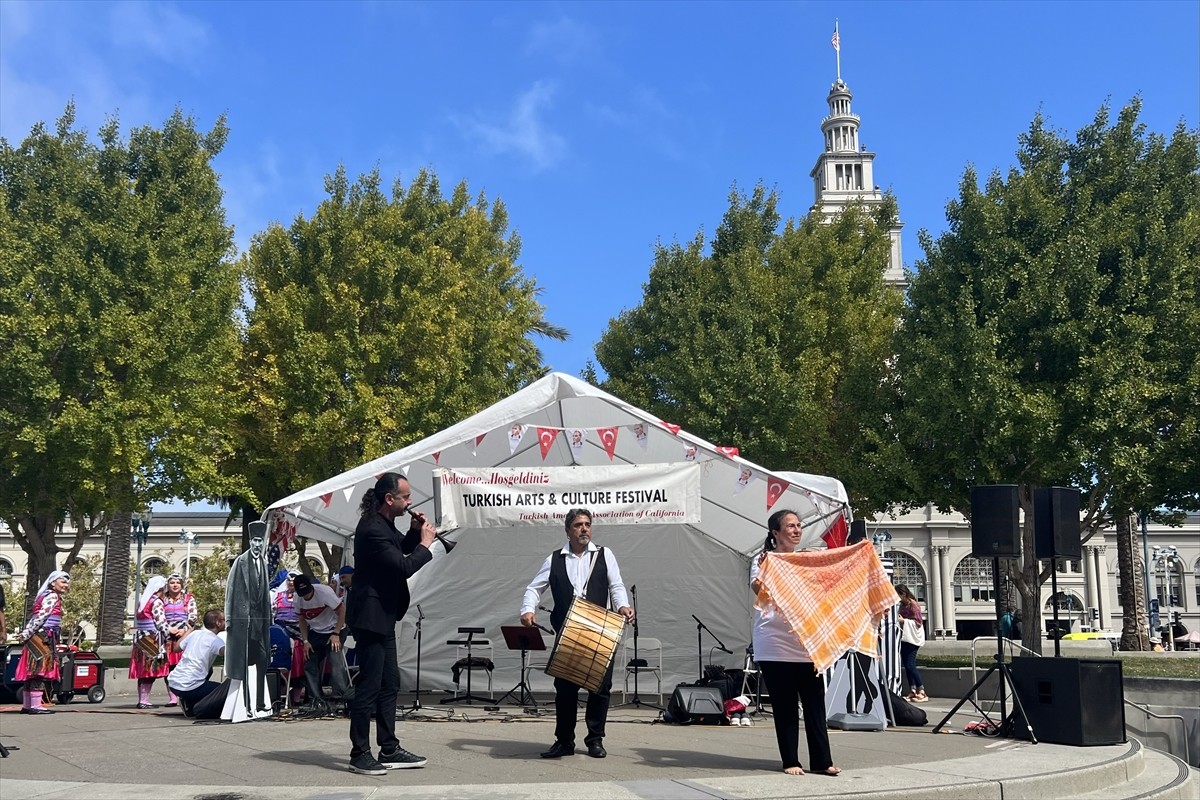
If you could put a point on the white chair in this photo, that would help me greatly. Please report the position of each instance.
(649, 661)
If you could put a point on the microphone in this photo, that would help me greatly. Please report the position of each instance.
(723, 649)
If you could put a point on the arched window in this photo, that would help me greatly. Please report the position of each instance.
(1067, 602)
(318, 568)
(6, 568)
(907, 570)
(973, 581)
(153, 566)
(1196, 572)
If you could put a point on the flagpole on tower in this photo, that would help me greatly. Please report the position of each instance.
(837, 48)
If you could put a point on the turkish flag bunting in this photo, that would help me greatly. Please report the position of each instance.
(775, 489)
(437, 456)
(836, 535)
(730, 452)
(670, 427)
(327, 498)
(546, 440)
(479, 439)
(608, 438)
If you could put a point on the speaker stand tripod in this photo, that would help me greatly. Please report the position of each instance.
(637, 665)
(416, 706)
(1008, 722)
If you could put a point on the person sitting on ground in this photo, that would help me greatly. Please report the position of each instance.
(322, 617)
(191, 679)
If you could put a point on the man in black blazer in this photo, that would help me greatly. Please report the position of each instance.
(384, 561)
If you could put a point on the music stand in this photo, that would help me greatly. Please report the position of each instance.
(519, 637)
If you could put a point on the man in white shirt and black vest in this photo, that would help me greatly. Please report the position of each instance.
(584, 570)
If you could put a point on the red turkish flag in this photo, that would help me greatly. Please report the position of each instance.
(546, 440)
(729, 452)
(670, 427)
(326, 498)
(437, 456)
(608, 438)
(479, 439)
(836, 535)
(775, 489)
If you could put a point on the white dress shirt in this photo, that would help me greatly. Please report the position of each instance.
(578, 568)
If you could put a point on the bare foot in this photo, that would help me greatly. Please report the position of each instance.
(794, 771)
(832, 771)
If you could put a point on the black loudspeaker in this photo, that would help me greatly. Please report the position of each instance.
(1056, 523)
(995, 521)
(1071, 700)
(858, 531)
(696, 705)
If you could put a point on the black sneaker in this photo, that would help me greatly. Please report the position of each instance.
(401, 759)
(365, 764)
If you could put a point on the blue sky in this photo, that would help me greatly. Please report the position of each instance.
(604, 127)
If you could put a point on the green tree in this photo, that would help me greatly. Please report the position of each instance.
(208, 575)
(775, 341)
(117, 301)
(376, 322)
(81, 603)
(1051, 338)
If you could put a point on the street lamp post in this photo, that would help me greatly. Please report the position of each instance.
(139, 531)
(190, 539)
(1164, 559)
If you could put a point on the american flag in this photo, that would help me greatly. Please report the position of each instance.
(837, 41)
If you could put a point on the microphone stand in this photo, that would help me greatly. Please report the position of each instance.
(700, 626)
(637, 664)
(416, 706)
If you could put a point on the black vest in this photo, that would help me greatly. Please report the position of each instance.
(562, 590)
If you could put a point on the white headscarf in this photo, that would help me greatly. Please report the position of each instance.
(45, 587)
(153, 586)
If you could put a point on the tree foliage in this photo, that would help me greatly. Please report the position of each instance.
(1051, 333)
(776, 342)
(378, 321)
(117, 294)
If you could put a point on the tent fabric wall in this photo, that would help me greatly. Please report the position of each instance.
(679, 570)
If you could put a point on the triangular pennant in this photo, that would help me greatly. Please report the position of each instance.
(836, 535)
(672, 428)
(348, 492)
(437, 456)
(640, 434)
(608, 438)
(404, 470)
(478, 441)
(745, 478)
(327, 498)
(515, 435)
(775, 489)
(546, 439)
(728, 452)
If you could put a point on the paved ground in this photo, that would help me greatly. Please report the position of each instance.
(114, 750)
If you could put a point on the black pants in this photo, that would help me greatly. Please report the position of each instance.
(314, 666)
(792, 684)
(375, 695)
(206, 701)
(566, 710)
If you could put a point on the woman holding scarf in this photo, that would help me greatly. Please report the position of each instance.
(149, 635)
(179, 607)
(39, 664)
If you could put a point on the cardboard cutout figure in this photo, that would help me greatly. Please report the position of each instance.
(248, 628)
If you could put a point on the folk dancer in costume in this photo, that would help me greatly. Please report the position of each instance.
(180, 609)
(787, 668)
(38, 664)
(584, 570)
(149, 628)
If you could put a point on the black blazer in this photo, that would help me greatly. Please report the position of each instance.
(379, 597)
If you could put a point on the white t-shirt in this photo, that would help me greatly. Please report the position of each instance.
(320, 610)
(200, 649)
(773, 637)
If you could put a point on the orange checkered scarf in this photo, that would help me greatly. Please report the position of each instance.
(833, 599)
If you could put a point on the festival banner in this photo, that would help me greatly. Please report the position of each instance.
(620, 493)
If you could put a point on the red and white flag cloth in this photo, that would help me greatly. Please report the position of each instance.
(327, 498)
(608, 438)
(775, 489)
(833, 600)
(836, 534)
(672, 427)
(728, 452)
(478, 441)
(515, 435)
(546, 439)
(283, 532)
(836, 40)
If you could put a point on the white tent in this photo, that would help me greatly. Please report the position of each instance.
(680, 570)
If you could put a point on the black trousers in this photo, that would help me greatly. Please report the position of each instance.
(375, 695)
(566, 710)
(792, 684)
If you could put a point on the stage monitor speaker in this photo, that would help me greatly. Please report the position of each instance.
(696, 705)
(995, 521)
(858, 531)
(1071, 700)
(1056, 523)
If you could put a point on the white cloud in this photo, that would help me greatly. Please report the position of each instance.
(524, 133)
(160, 30)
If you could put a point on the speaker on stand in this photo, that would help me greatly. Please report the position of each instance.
(1056, 535)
